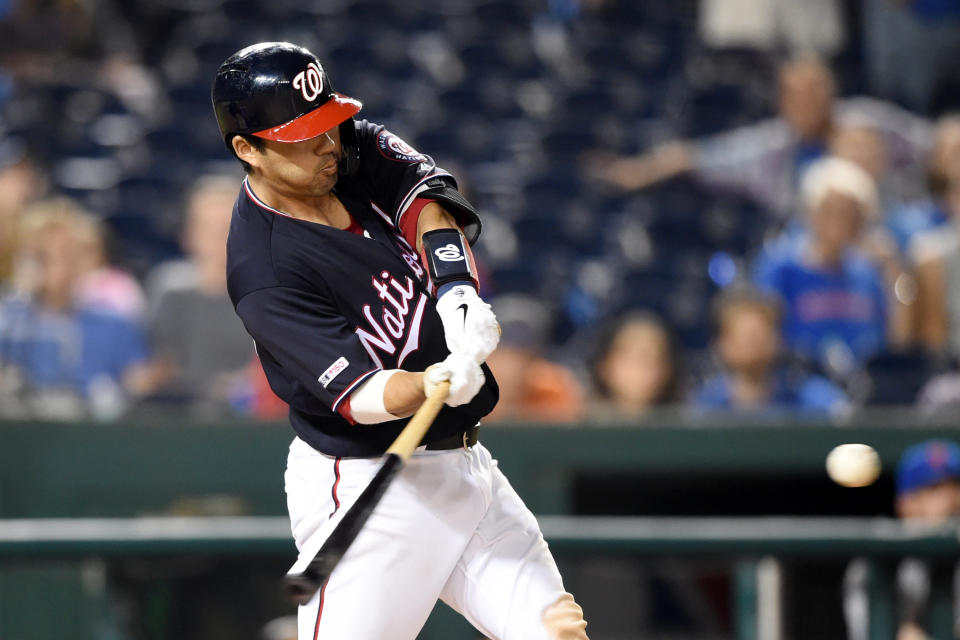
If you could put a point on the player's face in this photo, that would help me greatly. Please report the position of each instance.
(301, 169)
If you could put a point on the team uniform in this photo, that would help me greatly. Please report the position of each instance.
(328, 309)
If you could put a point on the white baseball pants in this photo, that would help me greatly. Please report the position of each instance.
(449, 527)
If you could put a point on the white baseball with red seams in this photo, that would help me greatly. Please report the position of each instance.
(449, 527)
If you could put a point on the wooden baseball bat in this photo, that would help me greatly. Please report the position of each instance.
(301, 585)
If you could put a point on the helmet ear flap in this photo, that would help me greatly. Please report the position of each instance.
(349, 148)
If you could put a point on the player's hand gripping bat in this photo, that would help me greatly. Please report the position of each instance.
(302, 582)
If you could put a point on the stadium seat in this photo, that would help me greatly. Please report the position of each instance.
(896, 377)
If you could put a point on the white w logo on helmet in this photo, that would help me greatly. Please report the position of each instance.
(309, 81)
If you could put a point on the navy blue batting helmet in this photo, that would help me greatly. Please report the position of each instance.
(280, 91)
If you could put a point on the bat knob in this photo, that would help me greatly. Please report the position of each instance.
(299, 588)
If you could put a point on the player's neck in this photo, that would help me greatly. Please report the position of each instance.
(326, 209)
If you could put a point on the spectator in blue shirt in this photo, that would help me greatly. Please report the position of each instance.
(58, 358)
(834, 301)
(753, 378)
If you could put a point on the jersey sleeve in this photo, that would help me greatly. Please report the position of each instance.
(301, 335)
(399, 175)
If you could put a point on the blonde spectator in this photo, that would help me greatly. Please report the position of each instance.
(635, 369)
(60, 358)
(839, 307)
(100, 284)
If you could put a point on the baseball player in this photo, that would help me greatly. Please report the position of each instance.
(349, 263)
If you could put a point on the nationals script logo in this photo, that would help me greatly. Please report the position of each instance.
(384, 334)
(309, 81)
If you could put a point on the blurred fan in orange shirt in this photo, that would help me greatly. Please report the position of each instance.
(532, 388)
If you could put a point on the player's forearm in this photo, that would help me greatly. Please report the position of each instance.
(403, 393)
(396, 393)
(433, 217)
(386, 396)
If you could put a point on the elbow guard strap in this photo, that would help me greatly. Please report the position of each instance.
(454, 202)
(447, 256)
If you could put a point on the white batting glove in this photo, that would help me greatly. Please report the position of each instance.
(469, 324)
(463, 372)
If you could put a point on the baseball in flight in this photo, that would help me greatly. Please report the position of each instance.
(853, 465)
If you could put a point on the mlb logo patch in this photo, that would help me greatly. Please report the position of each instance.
(333, 371)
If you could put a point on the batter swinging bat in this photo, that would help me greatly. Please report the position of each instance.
(302, 582)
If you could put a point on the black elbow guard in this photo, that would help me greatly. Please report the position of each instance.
(458, 206)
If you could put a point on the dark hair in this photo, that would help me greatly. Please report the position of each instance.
(672, 391)
(255, 142)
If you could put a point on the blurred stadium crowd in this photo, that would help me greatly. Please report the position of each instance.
(681, 209)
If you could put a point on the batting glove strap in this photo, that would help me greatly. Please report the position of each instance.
(469, 324)
(465, 376)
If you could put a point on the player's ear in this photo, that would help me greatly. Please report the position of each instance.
(246, 151)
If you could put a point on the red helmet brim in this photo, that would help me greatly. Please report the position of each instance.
(313, 123)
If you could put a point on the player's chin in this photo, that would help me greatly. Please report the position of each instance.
(327, 173)
(323, 182)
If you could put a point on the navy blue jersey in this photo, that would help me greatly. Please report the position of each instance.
(328, 308)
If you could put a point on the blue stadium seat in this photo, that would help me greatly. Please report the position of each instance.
(546, 193)
(437, 143)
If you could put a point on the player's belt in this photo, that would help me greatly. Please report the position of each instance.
(466, 440)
